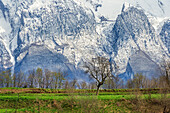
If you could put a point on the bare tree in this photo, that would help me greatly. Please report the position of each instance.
(116, 81)
(73, 84)
(14, 79)
(66, 85)
(165, 71)
(83, 85)
(92, 85)
(162, 83)
(139, 80)
(47, 78)
(99, 69)
(31, 78)
(129, 84)
(7, 78)
(57, 79)
(2, 81)
(153, 83)
(61, 78)
(20, 79)
(109, 83)
(39, 77)
(54, 80)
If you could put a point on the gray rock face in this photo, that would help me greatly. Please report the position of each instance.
(165, 34)
(133, 32)
(5, 58)
(40, 56)
(59, 19)
(131, 24)
(142, 63)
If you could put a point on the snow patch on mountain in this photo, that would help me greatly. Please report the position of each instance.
(39, 4)
(5, 56)
(2, 30)
(11, 58)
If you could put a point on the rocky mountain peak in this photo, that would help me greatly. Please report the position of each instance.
(57, 34)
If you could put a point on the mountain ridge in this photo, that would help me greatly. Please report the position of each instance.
(75, 32)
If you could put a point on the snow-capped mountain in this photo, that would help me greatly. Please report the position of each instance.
(165, 34)
(62, 34)
(132, 32)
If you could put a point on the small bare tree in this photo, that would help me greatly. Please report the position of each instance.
(109, 83)
(14, 80)
(99, 69)
(116, 81)
(73, 83)
(139, 80)
(47, 78)
(83, 85)
(57, 79)
(165, 71)
(39, 77)
(20, 79)
(7, 78)
(2, 79)
(129, 84)
(31, 78)
(66, 85)
(54, 80)
(61, 78)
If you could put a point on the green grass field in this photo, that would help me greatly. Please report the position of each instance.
(81, 101)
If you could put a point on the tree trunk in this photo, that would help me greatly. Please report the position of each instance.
(98, 86)
(167, 78)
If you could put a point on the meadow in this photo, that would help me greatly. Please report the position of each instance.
(36, 100)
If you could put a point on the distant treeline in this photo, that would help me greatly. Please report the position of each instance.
(40, 78)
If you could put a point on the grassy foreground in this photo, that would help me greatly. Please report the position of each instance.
(82, 101)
